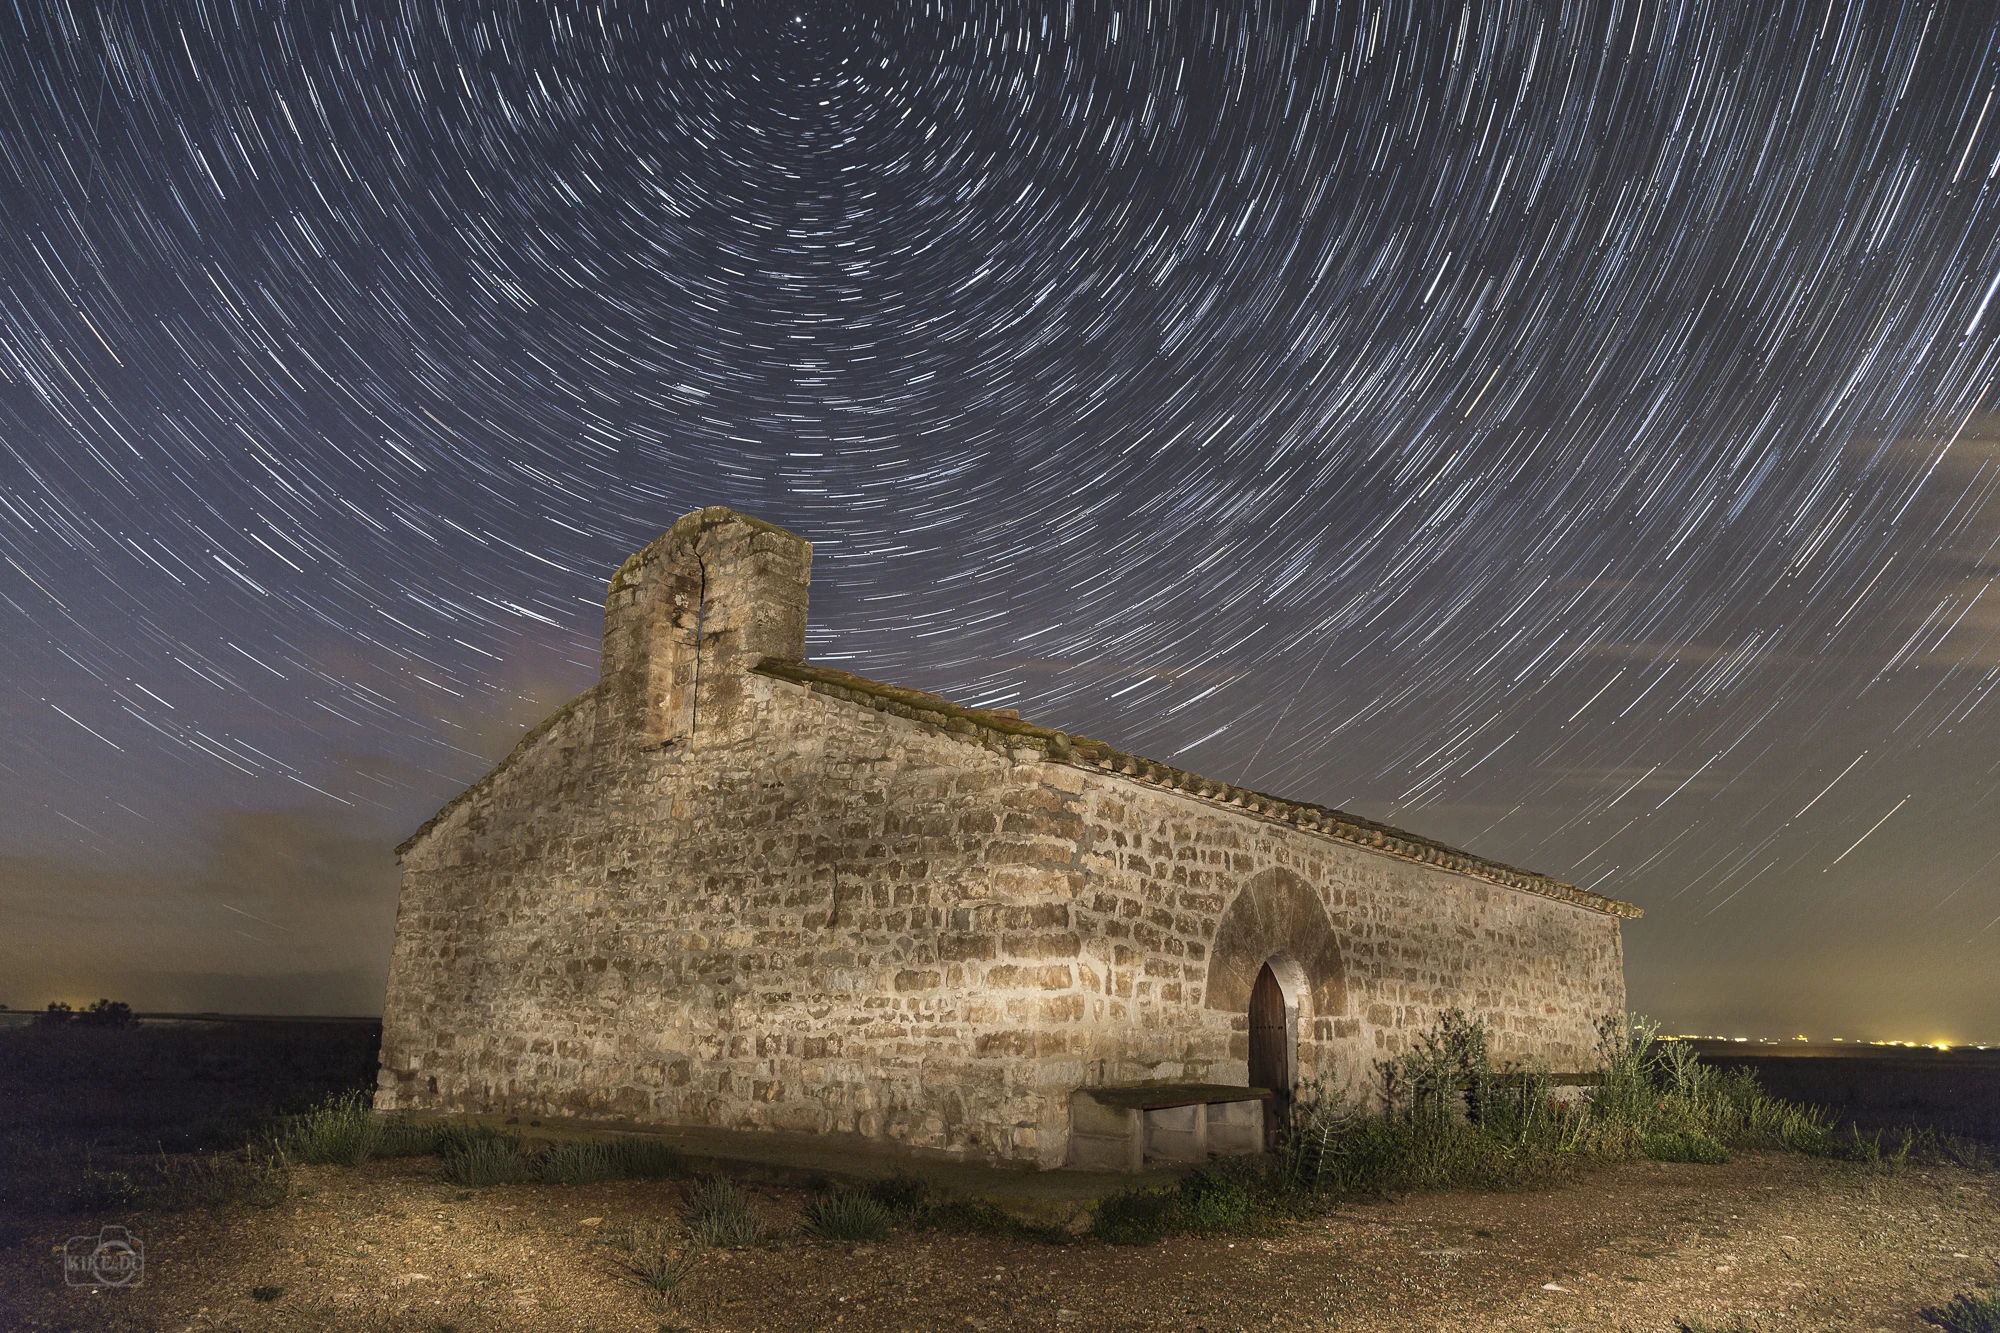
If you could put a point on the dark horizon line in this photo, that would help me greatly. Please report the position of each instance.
(1783, 1043)
(218, 1015)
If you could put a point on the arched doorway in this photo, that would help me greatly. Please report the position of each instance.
(1271, 1050)
(1276, 940)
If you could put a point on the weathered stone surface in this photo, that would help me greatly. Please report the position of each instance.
(727, 888)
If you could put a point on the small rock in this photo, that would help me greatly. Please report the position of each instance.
(592, 1222)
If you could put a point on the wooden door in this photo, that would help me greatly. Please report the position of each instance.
(1270, 1050)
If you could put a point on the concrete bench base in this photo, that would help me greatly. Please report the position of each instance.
(1121, 1128)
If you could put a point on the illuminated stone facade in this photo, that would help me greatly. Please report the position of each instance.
(728, 888)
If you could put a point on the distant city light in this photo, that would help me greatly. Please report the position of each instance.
(1935, 1045)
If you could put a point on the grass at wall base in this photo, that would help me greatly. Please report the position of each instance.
(1445, 1117)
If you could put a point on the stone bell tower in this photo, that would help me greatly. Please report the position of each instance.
(687, 616)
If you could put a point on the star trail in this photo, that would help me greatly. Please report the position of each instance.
(1568, 430)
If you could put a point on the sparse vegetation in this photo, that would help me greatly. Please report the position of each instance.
(95, 1123)
(344, 1130)
(251, 1175)
(1967, 1312)
(1451, 1119)
(587, 1161)
(103, 1116)
(657, 1260)
(718, 1214)
(846, 1215)
(1136, 1217)
(481, 1158)
(1212, 1203)
(340, 1131)
(1206, 1203)
(1683, 1146)
(911, 1202)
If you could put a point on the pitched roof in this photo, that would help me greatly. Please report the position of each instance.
(1004, 730)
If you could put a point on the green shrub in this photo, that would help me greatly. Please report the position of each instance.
(400, 1136)
(847, 1215)
(455, 1136)
(1446, 1075)
(479, 1160)
(1626, 1091)
(718, 1214)
(1137, 1217)
(585, 1162)
(1308, 1146)
(1214, 1204)
(340, 1131)
(1684, 1147)
(345, 1131)
(575, 1164)
(645, 1159)
(1769, 1122)
(1967, 1312)
(1449, 1120)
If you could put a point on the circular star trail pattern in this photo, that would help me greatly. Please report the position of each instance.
(1567, 429)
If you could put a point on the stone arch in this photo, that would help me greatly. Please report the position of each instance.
(1277, 918)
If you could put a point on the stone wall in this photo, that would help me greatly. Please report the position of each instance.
(717, 890)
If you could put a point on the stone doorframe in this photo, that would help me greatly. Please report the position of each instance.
(1277, 919)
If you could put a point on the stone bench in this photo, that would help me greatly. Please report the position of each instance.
(1119, 1128)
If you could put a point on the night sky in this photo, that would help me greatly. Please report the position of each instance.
(1565, 430)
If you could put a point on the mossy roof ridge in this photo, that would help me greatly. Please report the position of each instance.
(521, 747)
(986, 726)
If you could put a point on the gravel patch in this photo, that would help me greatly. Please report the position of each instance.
(1773, 1242)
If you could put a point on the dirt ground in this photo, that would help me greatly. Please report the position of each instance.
(1766, 1242)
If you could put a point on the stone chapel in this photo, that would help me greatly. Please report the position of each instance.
(725, 887)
